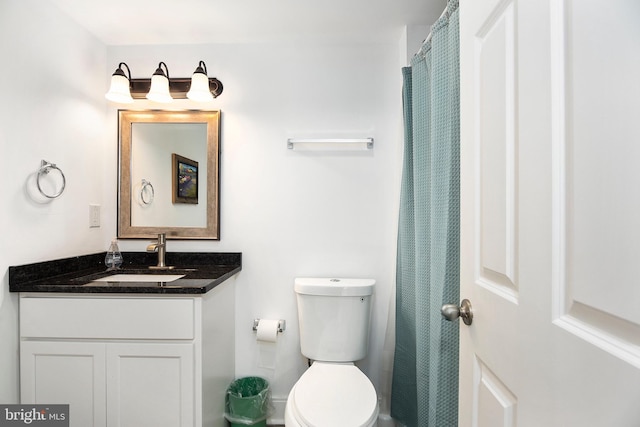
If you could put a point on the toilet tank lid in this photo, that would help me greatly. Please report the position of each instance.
(334, 286)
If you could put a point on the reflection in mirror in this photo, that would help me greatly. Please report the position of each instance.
(169, 163)
(152, 148)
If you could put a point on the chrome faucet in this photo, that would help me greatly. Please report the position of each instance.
(160, 246)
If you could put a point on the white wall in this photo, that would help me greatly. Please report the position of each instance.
(292, 213)
(53, 108)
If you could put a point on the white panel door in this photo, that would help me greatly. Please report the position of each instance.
(550, 202)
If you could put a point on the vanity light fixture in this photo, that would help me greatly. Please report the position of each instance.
(199, 90)
(119, 90)
(162, 88)
(159, 90)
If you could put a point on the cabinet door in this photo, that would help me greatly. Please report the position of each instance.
(150, 385)
(65, 373)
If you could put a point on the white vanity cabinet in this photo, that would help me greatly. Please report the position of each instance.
(129, 360)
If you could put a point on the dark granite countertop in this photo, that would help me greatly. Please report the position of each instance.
(202, 272)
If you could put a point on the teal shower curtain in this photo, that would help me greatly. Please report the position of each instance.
(425, 371)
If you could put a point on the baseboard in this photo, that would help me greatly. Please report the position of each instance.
(385, 420)
(277, 417)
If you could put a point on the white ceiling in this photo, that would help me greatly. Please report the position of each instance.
(132, 22)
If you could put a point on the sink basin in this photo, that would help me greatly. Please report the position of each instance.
(165, 278)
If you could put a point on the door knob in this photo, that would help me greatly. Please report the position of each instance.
(451, 311)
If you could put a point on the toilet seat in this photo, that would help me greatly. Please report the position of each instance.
(333, 395)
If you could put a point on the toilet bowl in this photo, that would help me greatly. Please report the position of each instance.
(332, 395)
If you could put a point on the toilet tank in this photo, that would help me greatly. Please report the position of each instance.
(334, 317)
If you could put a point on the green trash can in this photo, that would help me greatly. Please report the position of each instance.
(248, 402)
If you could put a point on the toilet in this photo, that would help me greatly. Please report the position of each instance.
(334, 317)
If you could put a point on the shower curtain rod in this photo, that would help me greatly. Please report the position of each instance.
(445, 12)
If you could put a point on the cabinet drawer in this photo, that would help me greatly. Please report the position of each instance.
(107, 318)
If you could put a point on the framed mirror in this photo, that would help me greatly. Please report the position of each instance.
(168, 174)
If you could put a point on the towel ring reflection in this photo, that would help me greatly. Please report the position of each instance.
(146, 187)
(45, 168)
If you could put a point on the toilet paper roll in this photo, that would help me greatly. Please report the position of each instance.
(267, 330)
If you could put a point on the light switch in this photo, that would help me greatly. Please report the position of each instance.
(94, 216)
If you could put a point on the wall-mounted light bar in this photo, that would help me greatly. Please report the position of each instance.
(330, 144)
(162, 88)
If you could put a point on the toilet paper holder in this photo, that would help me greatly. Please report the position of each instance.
(282, 325)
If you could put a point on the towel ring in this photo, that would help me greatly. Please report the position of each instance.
(45, 168)
(146, 186)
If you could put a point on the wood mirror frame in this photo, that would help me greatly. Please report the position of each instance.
(211, 231)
